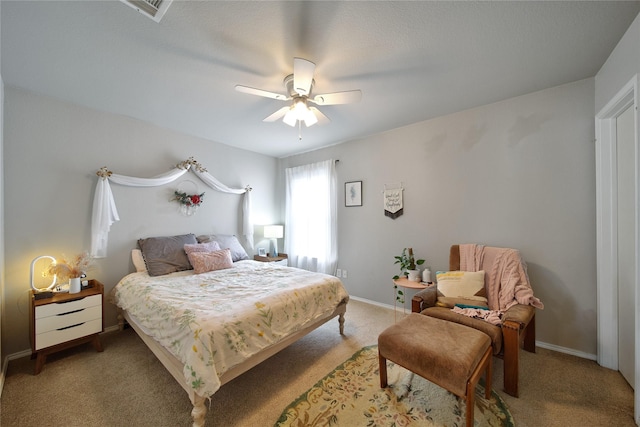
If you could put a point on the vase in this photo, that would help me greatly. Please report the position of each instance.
(414, 275)
(426, 276)
(74, 285)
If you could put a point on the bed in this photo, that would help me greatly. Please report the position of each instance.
(208, 327)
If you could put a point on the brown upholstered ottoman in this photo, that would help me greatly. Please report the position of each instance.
(450, 355)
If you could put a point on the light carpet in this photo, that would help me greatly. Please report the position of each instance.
(351, 396)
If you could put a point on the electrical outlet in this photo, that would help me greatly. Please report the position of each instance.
(338, 273)
(344, 274)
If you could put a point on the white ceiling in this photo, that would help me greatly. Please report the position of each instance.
(412, 60)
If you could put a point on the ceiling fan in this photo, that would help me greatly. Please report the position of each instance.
(299, 86)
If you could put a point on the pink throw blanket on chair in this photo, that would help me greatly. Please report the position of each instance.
(507, 282)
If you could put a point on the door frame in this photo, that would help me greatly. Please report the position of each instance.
(606, 232)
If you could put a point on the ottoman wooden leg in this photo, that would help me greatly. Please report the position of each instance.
(471, 394)
(484, 366)
(383, 370)
(487, 380)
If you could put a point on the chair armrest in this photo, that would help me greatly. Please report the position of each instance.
(424, 298)
(520, 314)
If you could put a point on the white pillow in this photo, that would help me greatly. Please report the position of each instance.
(138, 260)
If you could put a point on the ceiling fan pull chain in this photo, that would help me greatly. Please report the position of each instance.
(299, 130)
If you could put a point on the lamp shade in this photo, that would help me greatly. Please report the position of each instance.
(273, 231)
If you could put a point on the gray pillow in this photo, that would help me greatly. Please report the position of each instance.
(226, 241)
(164, 255)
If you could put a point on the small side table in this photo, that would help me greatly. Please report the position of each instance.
(281, 259)
(403, 282)
(65, 320)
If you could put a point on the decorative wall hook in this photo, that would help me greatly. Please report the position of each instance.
(186, 164)
(104, 172)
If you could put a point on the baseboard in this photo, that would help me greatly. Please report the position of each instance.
(566, 350)
(5, 365)
(540, 344)
(376, 303)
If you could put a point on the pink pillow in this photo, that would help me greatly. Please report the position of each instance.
(202, 247)
(210, 261)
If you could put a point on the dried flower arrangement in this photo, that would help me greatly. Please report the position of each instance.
(76, 267)
(189, 199)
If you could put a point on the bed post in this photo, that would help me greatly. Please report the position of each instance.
(199, 410)
(120, 320)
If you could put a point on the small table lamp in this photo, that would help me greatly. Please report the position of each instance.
(42, 267)
(274, 232)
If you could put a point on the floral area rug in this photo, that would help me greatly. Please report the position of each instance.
(351, 396)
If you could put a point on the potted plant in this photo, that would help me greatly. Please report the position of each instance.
(408, 269)
(72, 269)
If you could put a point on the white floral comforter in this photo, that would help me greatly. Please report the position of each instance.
(214, 321)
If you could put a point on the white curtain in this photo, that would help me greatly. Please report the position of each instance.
(311, 228)
(105, 212)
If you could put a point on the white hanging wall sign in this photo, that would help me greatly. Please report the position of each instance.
(393, 204)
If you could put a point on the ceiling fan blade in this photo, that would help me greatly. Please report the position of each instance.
(322, 119)
(260, 92)
(275, 116)
(302, 75)
(335, 98)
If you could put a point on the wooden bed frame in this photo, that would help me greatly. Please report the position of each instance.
(175, 367)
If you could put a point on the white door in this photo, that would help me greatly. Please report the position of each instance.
(626, 242)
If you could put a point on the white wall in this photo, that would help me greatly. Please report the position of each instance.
(52, 150)
(518, 173)
(620, 67)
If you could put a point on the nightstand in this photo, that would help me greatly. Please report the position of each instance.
(281, 259)
(65, 320)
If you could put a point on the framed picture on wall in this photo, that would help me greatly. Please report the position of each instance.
(353, 193)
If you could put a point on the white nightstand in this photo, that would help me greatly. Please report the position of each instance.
(65, 320)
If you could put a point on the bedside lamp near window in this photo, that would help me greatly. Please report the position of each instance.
(274, 232)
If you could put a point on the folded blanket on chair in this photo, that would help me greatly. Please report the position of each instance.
(507, 281)
(492, 316)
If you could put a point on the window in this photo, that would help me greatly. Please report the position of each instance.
(311, 217)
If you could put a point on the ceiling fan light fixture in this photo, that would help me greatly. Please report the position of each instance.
(299, 86)
(310, 119)
(291, 117)
(300, 111)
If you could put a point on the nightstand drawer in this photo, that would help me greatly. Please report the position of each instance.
(59, 321)
(66, 307)
(72, 332)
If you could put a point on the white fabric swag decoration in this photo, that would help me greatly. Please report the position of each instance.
(104, 206)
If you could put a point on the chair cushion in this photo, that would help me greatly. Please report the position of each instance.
(494, 332)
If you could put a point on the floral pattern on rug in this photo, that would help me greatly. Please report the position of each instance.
(351, 396)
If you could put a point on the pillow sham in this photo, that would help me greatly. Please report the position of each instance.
(461, 287)
(210, 261)
(138, 260)
(226, 241)
(164, 255)
(202, 247)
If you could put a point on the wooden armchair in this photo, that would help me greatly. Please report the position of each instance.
(518, 326)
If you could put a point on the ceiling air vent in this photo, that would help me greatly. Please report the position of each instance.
(154, 9)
